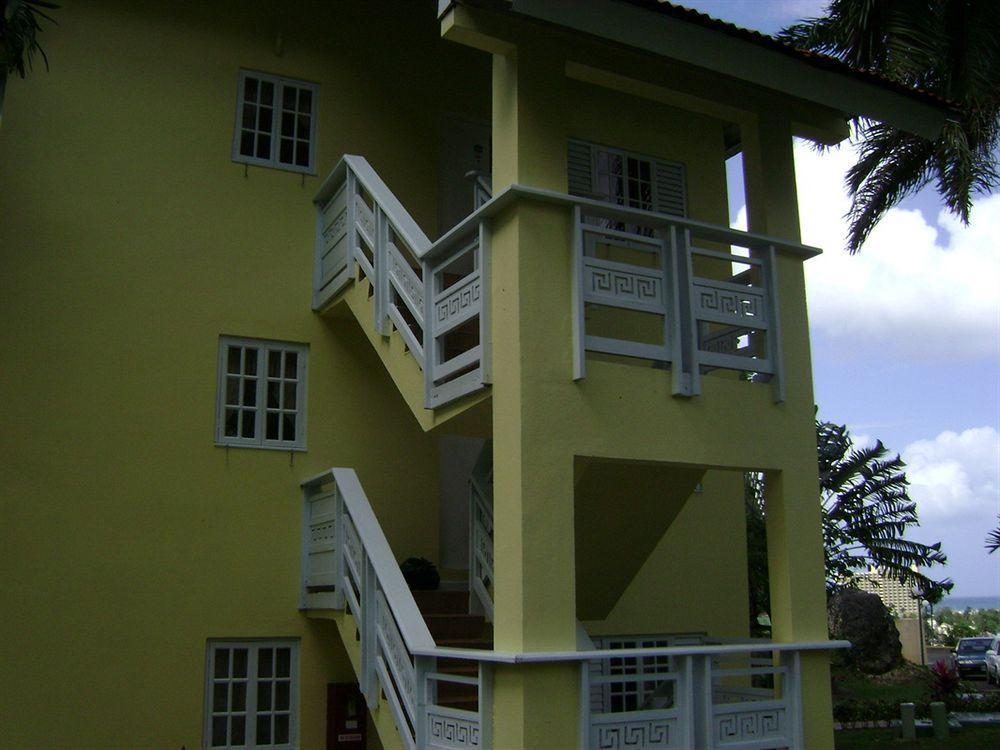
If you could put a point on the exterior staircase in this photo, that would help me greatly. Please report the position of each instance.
(447, 616)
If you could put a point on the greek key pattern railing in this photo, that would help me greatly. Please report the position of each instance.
(740, 699)
(648, 291)
(367, 583)
(432, 296)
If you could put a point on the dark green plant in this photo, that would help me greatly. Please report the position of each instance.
(950, 48)
(20, 24)
(866, 514)
(993, 540)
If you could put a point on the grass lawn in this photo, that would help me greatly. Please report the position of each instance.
(900, 686)
(969, 738)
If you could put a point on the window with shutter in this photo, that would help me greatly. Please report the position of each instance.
(626, 179)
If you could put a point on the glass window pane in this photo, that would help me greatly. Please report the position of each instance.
(273, 364)
(222, 662)
(232, 391)
(264, 119)
(250, 392)
(266, 93)
(250, 89)
(249, 115)
(264, 696)
(302, 153)
(264, 662)
(233, 359)
(264, 147)
(290, 389)
(272, 426)
(239, 662)
(239, 697)
(280, 729)
(250, 362)
(232, 424)
(246, 143)
(218, 731)
(273, 394)
(263, 730)
(249, 421)
(287, 151)
(288, 124)
(302, 131)
(288, 427)
(284, 663)
(238, 730)
(220, 697)
(289, 97)
(282, 694)
(291, 365)
(305, 100)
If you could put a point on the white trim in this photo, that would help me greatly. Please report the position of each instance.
(252, 647)
(263, 348)
(273, 160)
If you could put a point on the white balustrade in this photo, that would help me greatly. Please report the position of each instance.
(363, 232)
(481, 533)
(398, 654)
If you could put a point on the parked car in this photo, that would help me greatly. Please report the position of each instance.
(970, 655)
(993, 661)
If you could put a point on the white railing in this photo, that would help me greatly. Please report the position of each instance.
(709, 697)
(481, 533)
(644, 289)
(347, 562)
(482, 188)
(433, 295)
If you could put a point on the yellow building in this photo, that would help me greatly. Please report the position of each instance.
(478, 255)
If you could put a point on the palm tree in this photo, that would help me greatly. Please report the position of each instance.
(19, 27)
(866, 513)
(950, 48)
(993, 540)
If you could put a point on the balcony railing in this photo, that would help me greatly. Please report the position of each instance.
(680, 294)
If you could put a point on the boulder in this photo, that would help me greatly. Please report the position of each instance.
(866, 622)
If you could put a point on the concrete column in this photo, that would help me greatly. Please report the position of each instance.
(794, 519)
(535, 706)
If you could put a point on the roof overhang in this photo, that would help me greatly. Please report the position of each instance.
(693, 44)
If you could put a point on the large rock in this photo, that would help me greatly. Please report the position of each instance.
(865, 621)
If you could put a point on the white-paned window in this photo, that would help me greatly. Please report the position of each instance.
(261, 394)
(275, 122)
(626, 179)
(251, 694)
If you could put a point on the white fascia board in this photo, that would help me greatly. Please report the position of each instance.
(686, 42)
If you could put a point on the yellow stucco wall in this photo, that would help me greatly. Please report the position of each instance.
(129, 241)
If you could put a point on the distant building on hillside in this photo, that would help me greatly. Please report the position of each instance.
(898, 597)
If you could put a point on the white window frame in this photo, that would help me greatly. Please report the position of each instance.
(251, 680)
(259, 440)
(273, 160)
(596, 149)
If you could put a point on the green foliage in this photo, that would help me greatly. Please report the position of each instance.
(950, 48)
(993, 540)
(19, 29)
(947, 625)
(866, 512)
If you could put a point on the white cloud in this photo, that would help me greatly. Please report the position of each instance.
(912, 291)
(955, 477)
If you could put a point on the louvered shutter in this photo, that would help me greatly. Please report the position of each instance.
(671, 193)
(580, 163)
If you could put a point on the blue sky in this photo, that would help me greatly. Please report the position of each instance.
(906, 335)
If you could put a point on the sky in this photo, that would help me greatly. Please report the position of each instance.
(905, 335)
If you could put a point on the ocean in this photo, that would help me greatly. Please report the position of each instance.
(961, 603)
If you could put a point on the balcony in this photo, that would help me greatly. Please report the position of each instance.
(652, 289)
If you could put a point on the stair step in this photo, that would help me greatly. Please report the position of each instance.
(442, 602)
(443, 626)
